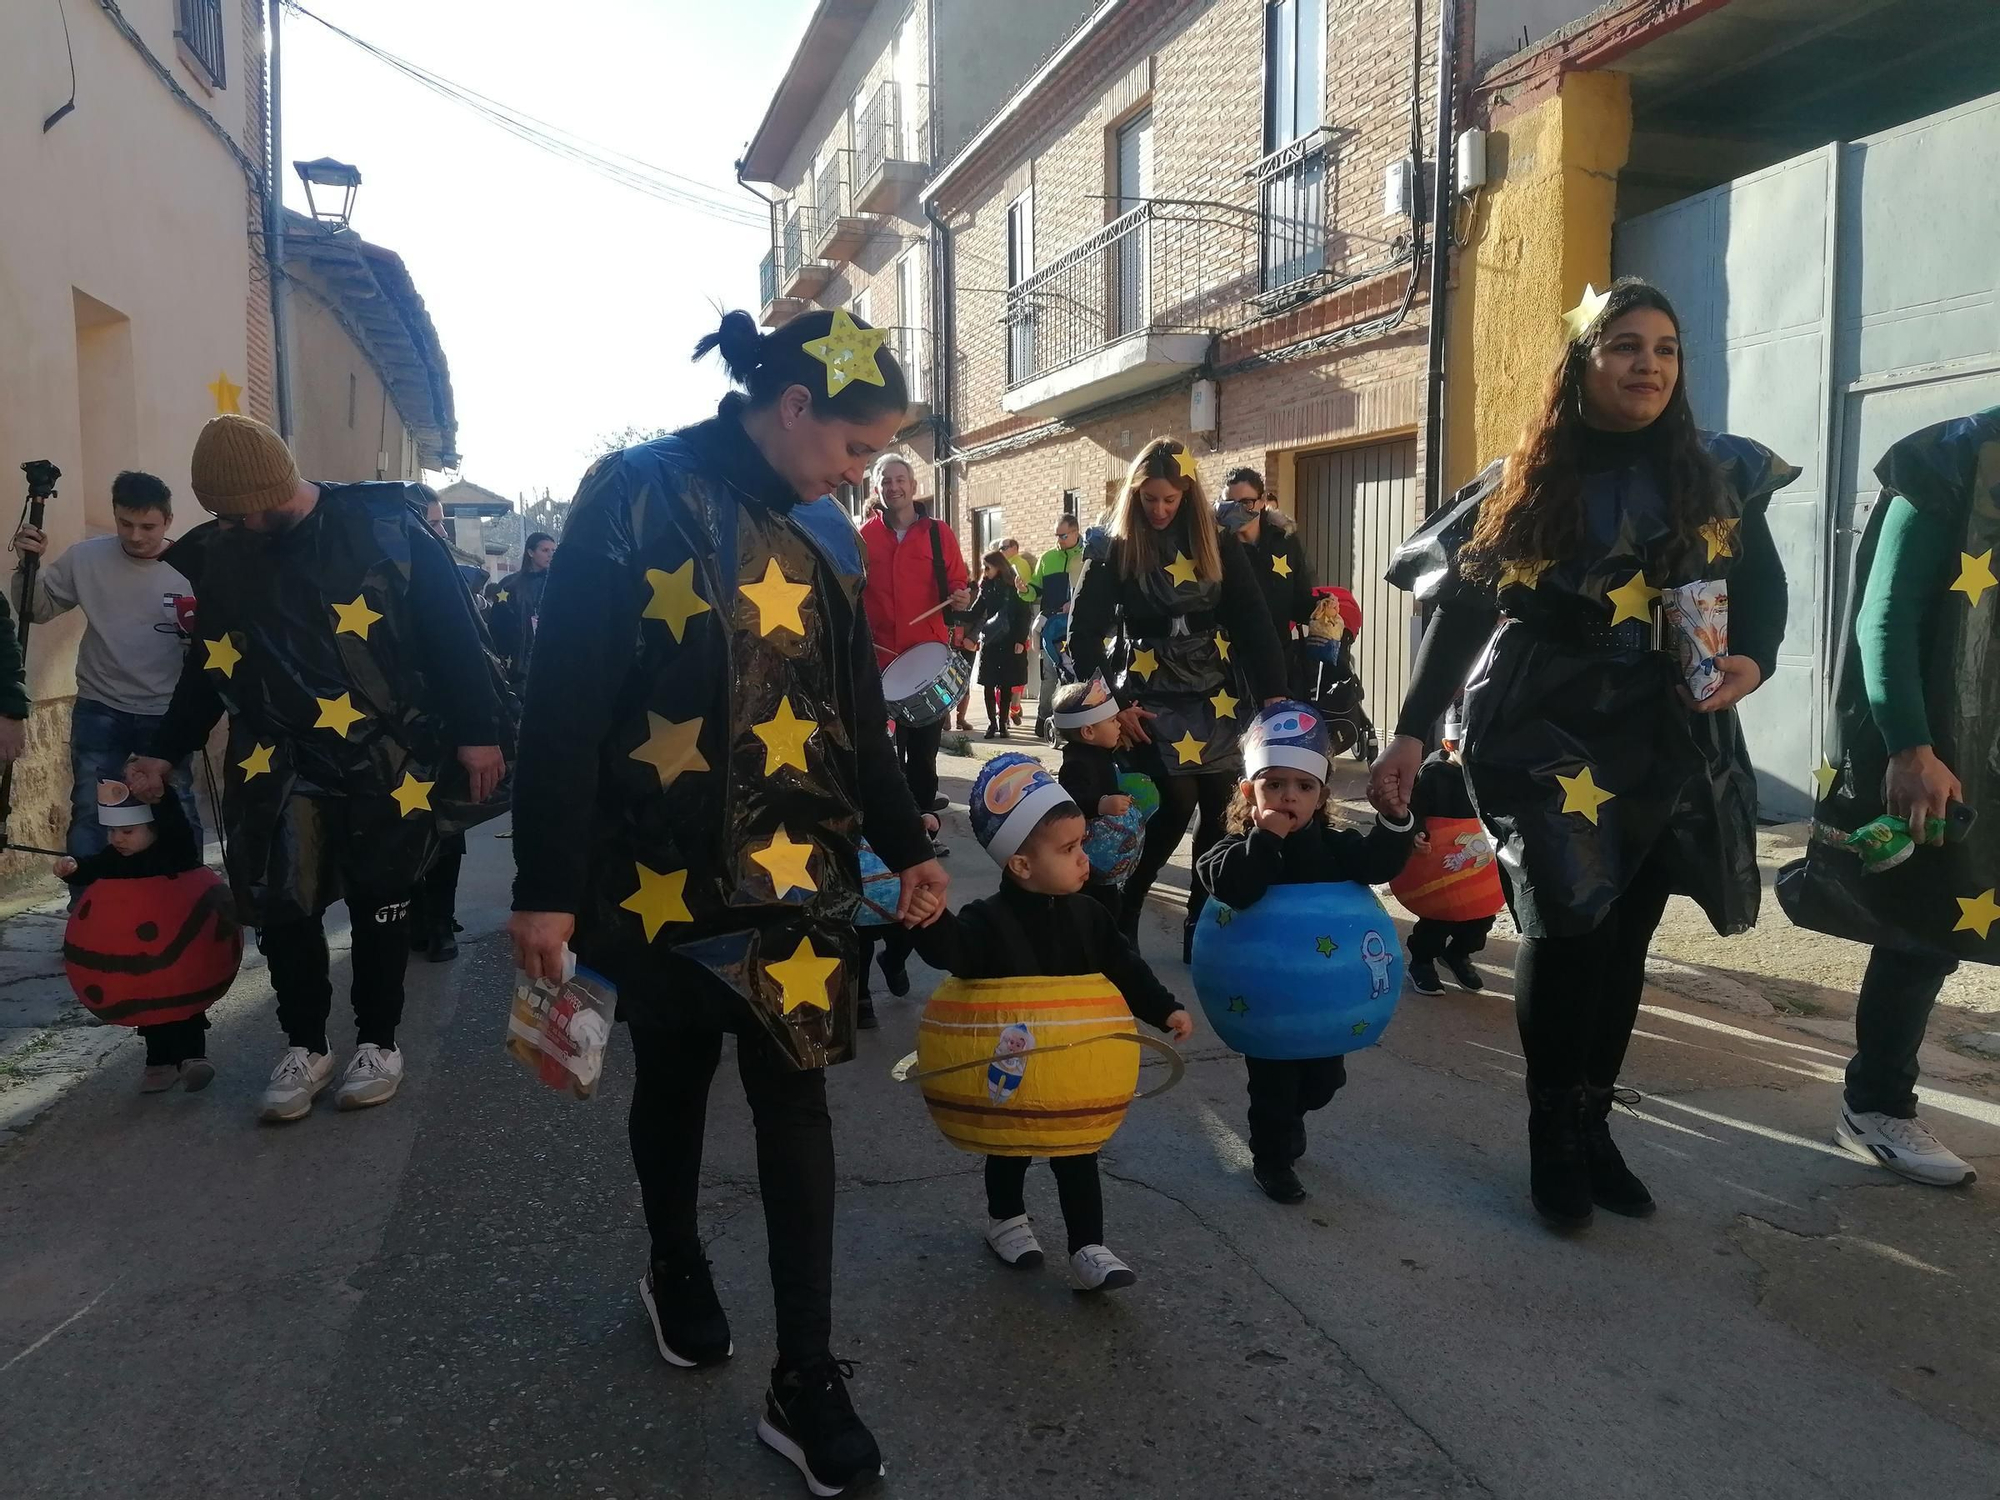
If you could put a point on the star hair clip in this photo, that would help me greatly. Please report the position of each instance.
(1578, 319)
(848, 352)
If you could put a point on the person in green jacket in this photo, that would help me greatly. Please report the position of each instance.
(1054, 582)
(13, 689)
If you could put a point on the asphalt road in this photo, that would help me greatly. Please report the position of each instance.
(437, 1298)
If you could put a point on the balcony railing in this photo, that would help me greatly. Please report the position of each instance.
(1291, 210)
(792, 244)
(198, 28)
(837, 231)
(891, 146)
(767, 279)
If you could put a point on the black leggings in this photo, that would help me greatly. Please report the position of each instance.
(996, 704)
(1577, 996)
(1181, 797)
(1077, 1190)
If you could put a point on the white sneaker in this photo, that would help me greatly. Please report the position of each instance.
(373, 1075)
(295, 1083)
(1903, 1146)
(1013, 1240)
(1098, 1270)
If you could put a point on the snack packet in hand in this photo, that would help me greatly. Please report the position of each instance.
(1698, 615)
(560, 1031)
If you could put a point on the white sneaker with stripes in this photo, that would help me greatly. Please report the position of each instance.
(1905, 1147)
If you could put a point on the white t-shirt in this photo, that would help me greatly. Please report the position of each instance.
(131, 654)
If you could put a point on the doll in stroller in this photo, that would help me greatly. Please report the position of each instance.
(1326, 662)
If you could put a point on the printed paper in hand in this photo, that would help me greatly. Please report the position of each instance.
(560, 1031)
(1698, 614)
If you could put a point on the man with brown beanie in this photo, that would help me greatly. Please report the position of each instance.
(367, 715)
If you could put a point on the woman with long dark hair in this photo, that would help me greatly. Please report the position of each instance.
(1004, 617)
(1192, 630)
(702, 750)
(1606, 786)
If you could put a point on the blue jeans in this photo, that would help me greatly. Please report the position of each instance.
(101, 739)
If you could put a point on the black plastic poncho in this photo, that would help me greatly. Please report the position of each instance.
(1942, 900)
(1583, 758)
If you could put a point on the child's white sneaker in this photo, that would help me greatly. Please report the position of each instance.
(1098, 1270)
(1013, 1240)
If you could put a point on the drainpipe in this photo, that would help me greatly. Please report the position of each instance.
(274, 237)
(1441, 207)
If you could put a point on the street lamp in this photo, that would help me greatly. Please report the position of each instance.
(328, 173)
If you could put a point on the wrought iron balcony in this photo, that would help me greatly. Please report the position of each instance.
(891, 148)
(777, 308)
(838, 232)
(1291, 209)
(801, 274)
(199, 30)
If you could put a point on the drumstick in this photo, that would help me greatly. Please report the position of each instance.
(929, 612)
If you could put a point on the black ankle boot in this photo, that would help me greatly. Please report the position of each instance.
(1612, 1185)
(1559, 1180)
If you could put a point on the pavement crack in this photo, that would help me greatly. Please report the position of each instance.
(1479, 1485)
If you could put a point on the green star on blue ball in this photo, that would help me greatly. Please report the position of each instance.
(1238, 1006)
(1327, 947)
(1223, 915)
(1360, 1028)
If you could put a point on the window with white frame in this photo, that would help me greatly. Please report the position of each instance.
(1020, 266)
(986, 523)
(912, 315)
(1294, 70)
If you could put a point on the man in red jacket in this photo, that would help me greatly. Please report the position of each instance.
(914, 565)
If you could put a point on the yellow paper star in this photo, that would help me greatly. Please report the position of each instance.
(1978, 913)
(503, 596)
(355, 618)
(1527, 573)
(1975, 576)
(1181, 570)
(1824, 775)
(1633, 599)
(338, 714)
(1578, 319)
(225, 392)
(257, 762)
(670, 748)
(1144, 663)
(413, 796)
(1581, 794)
(674, 598)
(1282, 565)
(784, 735)
(1224, 705)
(787, 864)
(802, 978)
(659, 900)
(223, 656)
(1720, 534)
(1222, 646)
(848, 352)
(777, 600)
(1184, 461)
(1189, 749)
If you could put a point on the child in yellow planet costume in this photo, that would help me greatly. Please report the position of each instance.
(1040, 924)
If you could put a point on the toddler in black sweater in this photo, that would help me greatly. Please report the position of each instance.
(1086, 719)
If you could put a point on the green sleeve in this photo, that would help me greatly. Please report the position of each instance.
(1911, 554)
(13, 676)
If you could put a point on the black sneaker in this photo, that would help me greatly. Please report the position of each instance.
(1468, 978)
(1279, 1182)
(443, 947)
(809, 1419)
(1424, 978)
(992, 731)
(895, 976)
(688, 1322)
(864, 1018)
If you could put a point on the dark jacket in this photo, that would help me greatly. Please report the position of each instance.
(173, 850)
(1284, 577)
(1017, 933)
(13, 673)
(516, 602)
(1089, 774)
(1243, 866)
(1004, 619)
(1441, 791)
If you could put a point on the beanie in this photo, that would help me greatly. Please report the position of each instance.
(241, 467)
(1010, 798)
(1288, 734)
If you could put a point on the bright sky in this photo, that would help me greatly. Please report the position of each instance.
(567, 305)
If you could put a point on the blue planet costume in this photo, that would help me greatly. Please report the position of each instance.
(1241, 869)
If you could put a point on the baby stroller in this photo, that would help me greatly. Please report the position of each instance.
(1327, 656)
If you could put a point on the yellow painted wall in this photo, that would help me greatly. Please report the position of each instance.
(1541, 229)
(344, 418)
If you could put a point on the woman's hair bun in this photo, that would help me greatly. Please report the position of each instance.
(738, 341)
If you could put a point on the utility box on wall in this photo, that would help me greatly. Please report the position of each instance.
(1204, 405)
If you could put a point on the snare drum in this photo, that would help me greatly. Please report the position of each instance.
(924, 682)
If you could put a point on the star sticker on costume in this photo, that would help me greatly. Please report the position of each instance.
(223, 656)
(1238, 1006)
(225, 392)
(1633, 599)
(802, 978)
(257, 762)
(777, 599)
(1184, 461)
(1224, 915)
(1326, 947)
(355, 618)
(674, 598)
(1578, 319)
(1360, 1028)
(1224, 705)
(784, 735)
(413, 796)
(1181, 570)
(670, 748)
(1978, 913)
(1282, 565)
(338, 714)
(1144, 663)
(1222, 646)
(787, 864)
(1582, 794)
(1720, 534)
(502, 597)
(1975, 576)
(1527, 572)
(848, 352)
(659, 900)
(1824, 775)
(1189, 749)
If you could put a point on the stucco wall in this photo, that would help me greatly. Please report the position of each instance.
(344, 417)
(1541, 229)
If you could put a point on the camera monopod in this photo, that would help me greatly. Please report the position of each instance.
(42, 477)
